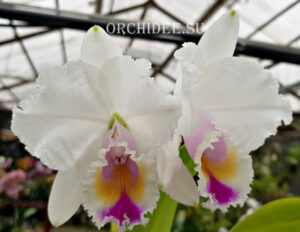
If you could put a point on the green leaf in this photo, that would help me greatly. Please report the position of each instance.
(113, 227)
(17, 230)
(162, 217)
(187, 160)
(278, 216)
(29, 212)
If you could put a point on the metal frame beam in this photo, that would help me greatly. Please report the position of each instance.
(272, 19)
(53, 19)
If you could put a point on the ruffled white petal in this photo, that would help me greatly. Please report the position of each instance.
(64, 116)
(186, 54)
(97, 47)
(151, 116)
(174, 177)
(152, 191)
(217, 42)
(243, 99)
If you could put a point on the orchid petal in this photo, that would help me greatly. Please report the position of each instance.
(64, 116)
(65, 197)
(202, 135)
(186, 54)
(174, 177)
(149, 114)
(66, 193)
(182, 187)
(243, 100)
(168, 160)
(188, 120)
(217, 42)
(187, 74)
(97, 47)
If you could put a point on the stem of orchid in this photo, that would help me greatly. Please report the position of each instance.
(187, 160)
(162, 217)
(113, 227)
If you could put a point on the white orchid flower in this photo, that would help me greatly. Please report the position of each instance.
(230, 105)
(97, 121)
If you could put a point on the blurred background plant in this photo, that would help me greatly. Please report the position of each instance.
(24, 189)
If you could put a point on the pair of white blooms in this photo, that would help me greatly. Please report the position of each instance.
(103, 123)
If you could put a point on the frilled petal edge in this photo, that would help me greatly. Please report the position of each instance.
(64, 115)
(243, 99)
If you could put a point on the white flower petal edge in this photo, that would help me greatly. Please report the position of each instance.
(174, 177)
(63, 116)
(211, 46)
(243, 100)
(97, 47)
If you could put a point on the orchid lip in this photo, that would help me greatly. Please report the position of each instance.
(119, 184)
